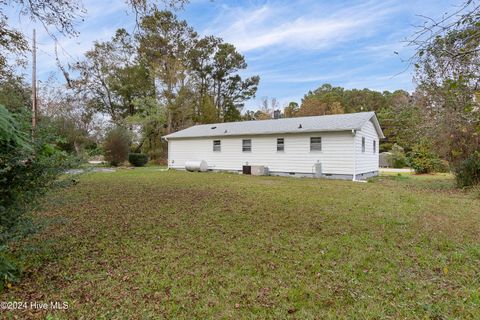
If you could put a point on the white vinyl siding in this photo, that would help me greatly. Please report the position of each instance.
(336, 157)
(366, 158)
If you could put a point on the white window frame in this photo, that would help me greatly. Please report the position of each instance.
(246, 147)
(316, 146)
(217, 147)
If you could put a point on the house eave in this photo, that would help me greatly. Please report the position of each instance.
(167, 137)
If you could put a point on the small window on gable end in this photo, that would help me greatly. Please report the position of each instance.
(246, 145)
(217, 145)
(374, 146)
(315, 143)
(363, 144)
(280, 144)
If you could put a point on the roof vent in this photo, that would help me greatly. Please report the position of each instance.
(213, 128)
(300, 126)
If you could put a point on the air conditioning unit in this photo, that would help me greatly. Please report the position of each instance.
(318, 170)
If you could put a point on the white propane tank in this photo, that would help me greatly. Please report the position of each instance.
(196, 165)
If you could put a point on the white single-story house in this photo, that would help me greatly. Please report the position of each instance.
(343, 146)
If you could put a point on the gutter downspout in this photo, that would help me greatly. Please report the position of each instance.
(354, 133)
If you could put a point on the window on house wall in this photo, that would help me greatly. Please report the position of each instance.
(246, 145)
(374, 146)
(363, 144)
(280, 144)
(217, 145)
(315, 143)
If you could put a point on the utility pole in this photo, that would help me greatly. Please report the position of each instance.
(34, 84)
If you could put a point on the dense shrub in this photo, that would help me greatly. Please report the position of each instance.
(117, 145)
(397, 157)
(94, 150)
(69, 137)
(423, 160)
(467, 172)
(138, 159)
(27, 170)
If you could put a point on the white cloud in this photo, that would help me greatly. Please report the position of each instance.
(304, 77)
(318, 28)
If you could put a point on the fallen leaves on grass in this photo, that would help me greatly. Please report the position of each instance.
(148, 244)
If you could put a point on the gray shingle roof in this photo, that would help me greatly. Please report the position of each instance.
(337, 122)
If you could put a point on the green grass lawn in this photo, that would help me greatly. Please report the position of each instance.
(144, 243)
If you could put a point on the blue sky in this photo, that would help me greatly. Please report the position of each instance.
(295, 46)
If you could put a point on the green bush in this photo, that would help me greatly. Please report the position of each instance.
(117, 145)
(397, 157)
(138, 159)
(423, 160)
(27, 170)
(467, 172)
(93, 150)
(17, 174)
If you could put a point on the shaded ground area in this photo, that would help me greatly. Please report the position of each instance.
(145, 244)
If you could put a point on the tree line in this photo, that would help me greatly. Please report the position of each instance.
(163, 78)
